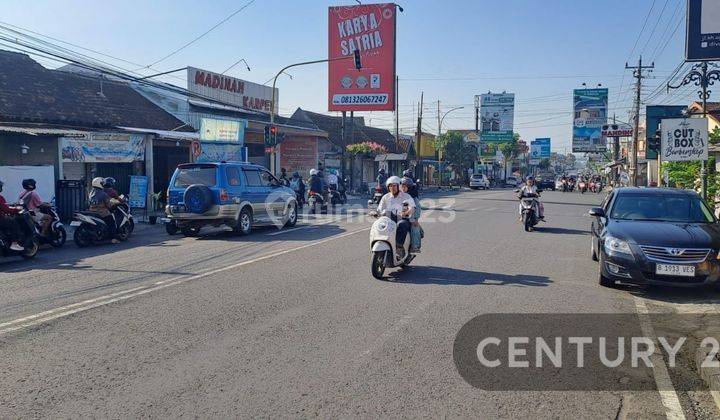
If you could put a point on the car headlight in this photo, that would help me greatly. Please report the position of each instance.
(613, 244)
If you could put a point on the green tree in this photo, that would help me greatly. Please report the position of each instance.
(459, 155)
(544, 164)
(510, 150)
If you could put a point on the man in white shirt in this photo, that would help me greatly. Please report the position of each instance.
(530, 188)
(400, 204)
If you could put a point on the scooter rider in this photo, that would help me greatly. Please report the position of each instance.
(316, 184)
(416, 233)
(109, 188)
(298, 184)
(394, 202)
(412, 186)
(8, 224)
(528, 189)
(31, 200)
(99, 202)
(382, 179)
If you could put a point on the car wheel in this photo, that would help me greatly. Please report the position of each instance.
(292, 215)
(171, 228)
(244, 222)
(190, 231)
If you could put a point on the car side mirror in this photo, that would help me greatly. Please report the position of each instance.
(597, 212)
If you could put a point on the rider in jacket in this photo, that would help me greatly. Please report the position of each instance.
(8, 224)
(99, 202)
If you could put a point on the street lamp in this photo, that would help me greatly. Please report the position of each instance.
(439, 134)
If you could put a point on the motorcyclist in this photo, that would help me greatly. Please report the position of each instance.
(381, 179)
(298, 185)
(412, 186)
(416, 232)
(31, 200)
(109, 188)
(283, 177)
(316, 184)
(99, 202)
(8, 224)
(394, 202)
(529, 189)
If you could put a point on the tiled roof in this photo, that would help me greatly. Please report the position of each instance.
(30, 93)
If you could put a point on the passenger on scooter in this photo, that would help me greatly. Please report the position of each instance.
(416, 233)
(109, 188)
(99, 202)
(8, 224)
(413, 187)
(531, 188)
(316, 184)
(394, 202)
(31, 200)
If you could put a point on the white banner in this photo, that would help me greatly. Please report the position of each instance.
(238, 92)
(684, 139)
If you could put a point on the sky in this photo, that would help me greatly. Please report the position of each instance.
(451, 50)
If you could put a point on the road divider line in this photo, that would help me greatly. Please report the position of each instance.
(67, 310)
(668, 395)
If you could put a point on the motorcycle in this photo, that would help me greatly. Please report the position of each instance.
(530, 211)
(316, 203)
(334, 196)
(57, 235)
(29, 239)
(92, 229)
(597, 187)
(382, 245)
(377, 196)
(299, 194)
(582, 187)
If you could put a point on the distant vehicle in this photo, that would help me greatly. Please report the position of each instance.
(478, 181)
(655, 236)
(558, 183)
(546, 183)
(511, 181)
(238, 195)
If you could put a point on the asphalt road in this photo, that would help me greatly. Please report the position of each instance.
(291, 323)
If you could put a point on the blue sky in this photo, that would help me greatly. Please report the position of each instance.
(451, 50)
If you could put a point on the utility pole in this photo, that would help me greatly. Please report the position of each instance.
(477, 114)
(637, 74)
(418, 140)
(616, 155)
(397, 109)
(440, 153)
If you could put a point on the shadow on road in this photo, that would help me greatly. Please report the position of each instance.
(562, 231)
(452, 276)
(702, 295)
(588, 205)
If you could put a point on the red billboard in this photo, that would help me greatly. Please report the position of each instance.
(370, 29)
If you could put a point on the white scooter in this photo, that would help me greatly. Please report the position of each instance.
(382, 245)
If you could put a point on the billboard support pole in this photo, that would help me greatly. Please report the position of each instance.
(638, 74)
(700, 76)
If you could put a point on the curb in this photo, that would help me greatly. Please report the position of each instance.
(711, 375)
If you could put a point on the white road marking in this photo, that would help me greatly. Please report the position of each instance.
(668, 395)
(63, 311)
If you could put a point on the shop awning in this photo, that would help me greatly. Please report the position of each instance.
(165, 134)
(391, 156)
(41, 131)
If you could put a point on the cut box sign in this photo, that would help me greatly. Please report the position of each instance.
(684, 139)
(369, 29)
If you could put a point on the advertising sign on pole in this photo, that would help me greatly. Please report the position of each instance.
(93, 150)
(702, 40)
(230, 90)
(590, 114)
(138, 191)
(684, 139)
(223, 131)
(497, 111)
(370, 29)
(540, 148)
(653, 115)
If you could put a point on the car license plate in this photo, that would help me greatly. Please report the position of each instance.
(75, 223)
(675, 270)
(165, 220)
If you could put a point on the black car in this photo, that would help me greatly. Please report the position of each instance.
(656, 236)
(546, 184)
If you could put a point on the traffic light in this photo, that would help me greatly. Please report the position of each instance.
(654, 142)
(267, 135)
(358, 63)
(271, 133)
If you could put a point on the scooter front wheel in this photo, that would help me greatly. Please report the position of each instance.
(59, 237)
(378, 264)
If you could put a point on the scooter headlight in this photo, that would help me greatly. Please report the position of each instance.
(382, 225)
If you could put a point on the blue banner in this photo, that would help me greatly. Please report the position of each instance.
(138, 191)
(590, 114)
(702, 41)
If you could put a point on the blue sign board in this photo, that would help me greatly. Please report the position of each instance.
(138, 191)
(544, 147)
(222, 152)
(702, 41)
(655, 113)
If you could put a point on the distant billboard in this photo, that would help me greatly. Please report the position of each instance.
(653, 115)
(540, 148)
(370, 29)
(590, 114)
(223, 131)
(231, 90)
(684, 139)
(702, 40)
(497, 111)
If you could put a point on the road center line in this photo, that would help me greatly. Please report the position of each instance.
(66, 310)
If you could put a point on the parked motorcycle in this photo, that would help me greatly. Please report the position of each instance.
(530, 211)
(316, 203)
(28, 240)
(382, 245)
(57, 235)
(92, 229)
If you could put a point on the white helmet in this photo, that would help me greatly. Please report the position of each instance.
(313, 172)
(392, 180)
(98, 182)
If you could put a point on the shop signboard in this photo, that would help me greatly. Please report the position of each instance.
(702, 40)
(231, 90)
(138, 191)
(369, 29)
(427, 146)
(95, 150)
(497, 111)
(684, 139)
(219, 152)
(299, 154)
(222, 131)
(590, 114)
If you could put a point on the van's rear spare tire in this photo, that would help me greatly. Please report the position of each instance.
(198, 198)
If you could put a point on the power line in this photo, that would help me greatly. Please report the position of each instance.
(654, 27)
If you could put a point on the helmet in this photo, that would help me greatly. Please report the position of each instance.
(393, 180)
(29, 184)
(408, 173)
(407, 181)
(313, 172)
(109, 182)
(98, 182)
(381, 171)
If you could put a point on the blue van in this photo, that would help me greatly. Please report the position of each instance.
(238, 195)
